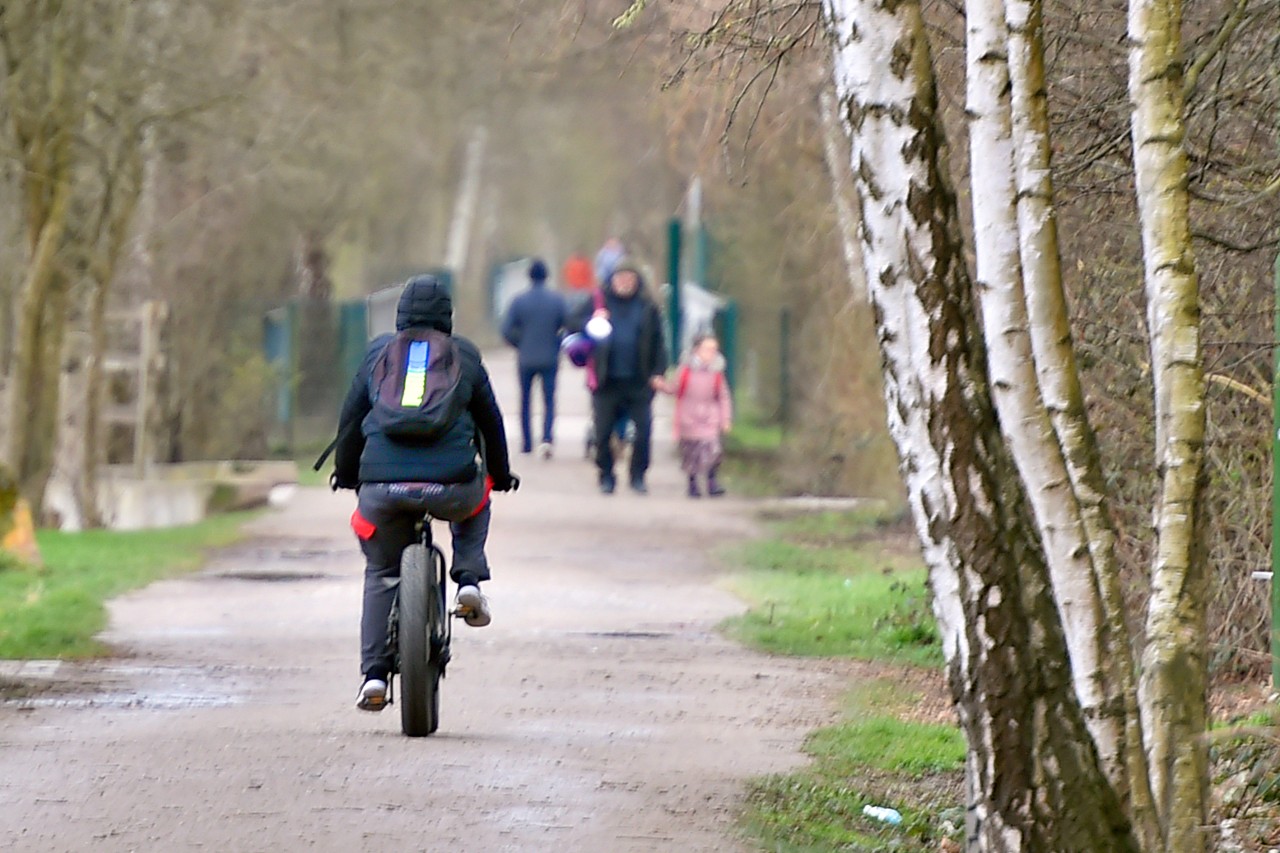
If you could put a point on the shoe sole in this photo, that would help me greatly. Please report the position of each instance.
(467, 606)
(372, 703)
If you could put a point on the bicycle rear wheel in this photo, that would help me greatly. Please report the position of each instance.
(419, 636)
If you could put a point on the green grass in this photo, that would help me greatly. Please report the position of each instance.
(752, 436)
(871, 758)
(890, 744)
(848, 527)
(55, 611)
(821, 585)
(817, 589)
(751, 452)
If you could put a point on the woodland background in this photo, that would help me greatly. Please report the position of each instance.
(223, 156)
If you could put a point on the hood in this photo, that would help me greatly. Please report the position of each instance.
(626, 266)
(425, 302)
(716, 365)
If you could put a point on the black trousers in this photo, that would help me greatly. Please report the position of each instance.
(634, 398)
(384, 523)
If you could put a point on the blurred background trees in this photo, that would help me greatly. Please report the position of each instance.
(220, 157)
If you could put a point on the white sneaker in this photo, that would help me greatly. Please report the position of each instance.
(545, 450)
(373, 695)
(472, 606)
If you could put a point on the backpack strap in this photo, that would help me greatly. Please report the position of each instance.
(683, 382)
(319, 463)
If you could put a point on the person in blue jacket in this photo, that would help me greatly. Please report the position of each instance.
(534, 325)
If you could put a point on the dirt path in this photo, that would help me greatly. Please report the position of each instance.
(599, 712)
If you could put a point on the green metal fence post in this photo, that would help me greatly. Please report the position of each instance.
(673, 277)
(729, 343)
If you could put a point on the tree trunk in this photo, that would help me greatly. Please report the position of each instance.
(35, 378)
(1036, 782)
(1058, 377)
(1173, 685)
(846, 213)
(1024, 421)
(119, 207)
(43, 49)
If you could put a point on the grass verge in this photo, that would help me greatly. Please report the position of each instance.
(820, 587)
(875, 757)
(841, 585)
(55, 611)
(751, 452)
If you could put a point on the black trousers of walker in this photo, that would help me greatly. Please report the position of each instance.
(616, 397)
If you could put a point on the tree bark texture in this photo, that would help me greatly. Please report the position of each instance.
(846, 213)
(1024, 422)
(41, 45)
(118, 207)
(1036, 781)
(1059, 380)
(1173, 687)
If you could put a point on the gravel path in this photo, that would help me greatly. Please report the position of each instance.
(599, 712)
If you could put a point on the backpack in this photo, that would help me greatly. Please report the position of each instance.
(413, 386)
(684, 382)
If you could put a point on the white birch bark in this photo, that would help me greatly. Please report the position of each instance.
(1173, 684)
(1014, 383)
(1035, 780)
(846, 213)
(1058, 378)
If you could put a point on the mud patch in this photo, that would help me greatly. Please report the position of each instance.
(269, 577)
(128, 686)
(630, 635)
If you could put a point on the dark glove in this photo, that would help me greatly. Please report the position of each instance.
(509, 483)
(335, 483)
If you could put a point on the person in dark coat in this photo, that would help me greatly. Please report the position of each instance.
(628, 365)
(398, 482)
(534, 325)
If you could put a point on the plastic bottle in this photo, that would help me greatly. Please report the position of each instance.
(883, 814)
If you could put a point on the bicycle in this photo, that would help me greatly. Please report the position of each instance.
(419, 631)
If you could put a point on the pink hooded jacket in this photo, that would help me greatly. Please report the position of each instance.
(704, 406)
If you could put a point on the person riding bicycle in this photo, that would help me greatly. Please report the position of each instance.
(399, 480)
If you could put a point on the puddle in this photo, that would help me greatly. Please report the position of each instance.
(151, 701)
(268, 577)
(630, 635)
(134, 687)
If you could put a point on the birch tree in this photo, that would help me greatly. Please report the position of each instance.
(1057, 377)
(1173, 686)
(1022, 307)
(1025, 422)
(1035, 777)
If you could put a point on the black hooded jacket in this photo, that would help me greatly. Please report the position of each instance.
(365, 455)
(651, 346)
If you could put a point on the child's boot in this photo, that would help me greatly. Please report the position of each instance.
(714, 489)
(693, 487)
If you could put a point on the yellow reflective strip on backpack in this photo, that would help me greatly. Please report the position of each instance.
(415, 375)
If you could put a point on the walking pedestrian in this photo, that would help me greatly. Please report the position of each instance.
(704, 413)
(626, 367)
(534, 325)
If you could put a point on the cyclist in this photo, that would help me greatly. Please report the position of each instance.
(399, 481)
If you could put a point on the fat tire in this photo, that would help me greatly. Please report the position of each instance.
(420, 620)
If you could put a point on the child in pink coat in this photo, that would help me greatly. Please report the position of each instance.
(704, 413)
